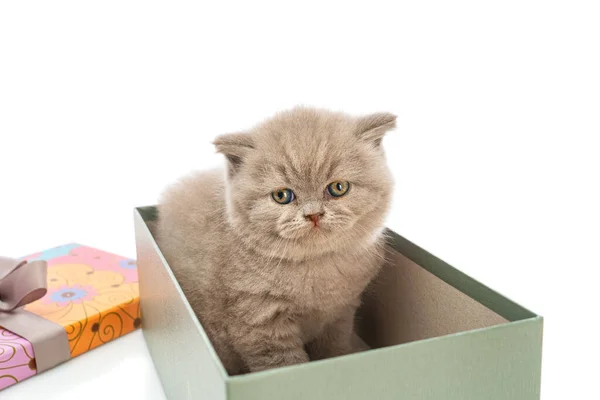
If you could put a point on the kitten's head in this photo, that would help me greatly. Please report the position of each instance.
(308, 182)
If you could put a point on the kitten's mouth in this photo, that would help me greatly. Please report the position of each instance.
(309, 230)
(318, 228)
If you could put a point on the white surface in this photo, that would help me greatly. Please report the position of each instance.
(496, 153)
(121, 369)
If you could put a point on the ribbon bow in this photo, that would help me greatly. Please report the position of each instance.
(21, 282)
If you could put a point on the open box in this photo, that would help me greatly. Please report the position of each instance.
(435, 333)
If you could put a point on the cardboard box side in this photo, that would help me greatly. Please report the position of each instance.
(182, 354)
(497, 363)
(406, 303)
(471, 287)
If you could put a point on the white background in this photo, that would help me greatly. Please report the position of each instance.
(496, 154)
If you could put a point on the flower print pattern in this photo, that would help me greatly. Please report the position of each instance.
(93, 294)
(99, 260)
(17, 362)
(128, 264)
(53, 253)
(75, 294)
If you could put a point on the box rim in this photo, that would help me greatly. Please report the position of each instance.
(373, 352)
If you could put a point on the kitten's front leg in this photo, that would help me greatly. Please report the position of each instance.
(337, 339)
(267, 339)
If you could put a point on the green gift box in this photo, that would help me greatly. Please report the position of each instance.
(434, 333)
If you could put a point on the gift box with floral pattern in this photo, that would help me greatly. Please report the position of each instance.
(91, 293)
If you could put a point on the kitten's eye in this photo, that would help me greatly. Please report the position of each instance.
(283, 196)
(338, 188)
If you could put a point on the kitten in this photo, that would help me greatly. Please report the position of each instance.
(274, 252)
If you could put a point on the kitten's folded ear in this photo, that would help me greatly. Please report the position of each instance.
(235, 147)
(372, 128)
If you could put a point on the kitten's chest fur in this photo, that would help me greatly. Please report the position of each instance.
(315, 291)
(327, 283)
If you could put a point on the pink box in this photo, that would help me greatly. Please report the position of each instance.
(17, 361)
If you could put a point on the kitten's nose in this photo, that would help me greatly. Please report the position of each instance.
(314, 218)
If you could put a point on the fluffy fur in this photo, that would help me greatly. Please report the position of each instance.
(269, 287)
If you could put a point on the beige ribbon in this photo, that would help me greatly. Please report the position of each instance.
(21, 283)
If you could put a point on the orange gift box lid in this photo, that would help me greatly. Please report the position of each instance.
(93, 294)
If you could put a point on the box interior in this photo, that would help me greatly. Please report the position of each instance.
(418, 296)
(407, 303)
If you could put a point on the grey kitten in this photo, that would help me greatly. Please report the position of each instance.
(274, 252)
